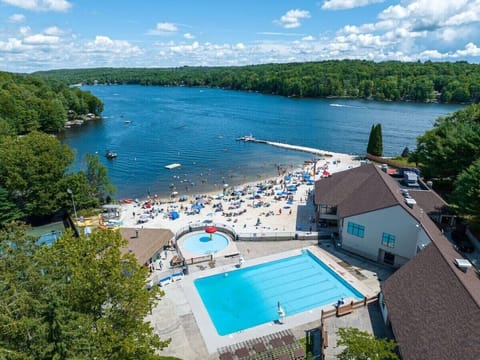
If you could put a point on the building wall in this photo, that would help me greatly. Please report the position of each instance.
(395, 221)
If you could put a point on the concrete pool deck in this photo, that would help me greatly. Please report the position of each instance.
(181, 315)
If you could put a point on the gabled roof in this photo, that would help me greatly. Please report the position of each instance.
(360, 190)
(433, 306)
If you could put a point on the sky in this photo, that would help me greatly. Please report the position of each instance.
(58, 34)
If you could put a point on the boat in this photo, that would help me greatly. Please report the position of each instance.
(128, 121)
(245, 138)
(110, 154)
(172, 166)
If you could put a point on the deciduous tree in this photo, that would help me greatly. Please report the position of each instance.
(360, 345)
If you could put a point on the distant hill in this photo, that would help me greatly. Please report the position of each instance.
(445, 82)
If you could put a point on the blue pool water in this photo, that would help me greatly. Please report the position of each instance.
(200, 243)
(49, 238)
(248, 297)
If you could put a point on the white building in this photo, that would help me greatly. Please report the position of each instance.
(374, 217)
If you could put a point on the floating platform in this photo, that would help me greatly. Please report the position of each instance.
(172, 166)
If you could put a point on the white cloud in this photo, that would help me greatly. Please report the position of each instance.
(347, 4)
(16, 18)
(104, 44)
(167, 27)
(292, 18)
(11, 45)
(40, 5)
(40, 39)
(188, 36)
(25, 30)
(53, 30)
(308, 38)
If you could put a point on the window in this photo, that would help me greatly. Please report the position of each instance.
(355, 229)
(388, 240)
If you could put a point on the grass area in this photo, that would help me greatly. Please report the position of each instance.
(403, 162)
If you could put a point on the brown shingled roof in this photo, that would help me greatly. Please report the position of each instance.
(148, 243)
(361, 190)
(433, 315)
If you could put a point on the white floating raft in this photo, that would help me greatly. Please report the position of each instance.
(172, 166)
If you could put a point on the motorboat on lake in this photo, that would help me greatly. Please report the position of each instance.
(110, 154)
(246, 138)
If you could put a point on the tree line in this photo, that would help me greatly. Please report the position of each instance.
(30, 103)
(444, 82)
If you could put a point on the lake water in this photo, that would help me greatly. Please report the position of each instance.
(150, 127)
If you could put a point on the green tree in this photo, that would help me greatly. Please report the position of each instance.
(371, 140)
(466, 193)
(97, 177)
(31, 170)
(8, 210)
(360, 345)
(405, 152)
(79, 298)
(375, 141)
(452, 145)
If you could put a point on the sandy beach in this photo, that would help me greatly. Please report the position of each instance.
(280, 204)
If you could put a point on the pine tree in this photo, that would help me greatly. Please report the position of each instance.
(371, 140)
(378, 143)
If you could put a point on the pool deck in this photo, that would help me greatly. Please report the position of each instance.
(182, 316)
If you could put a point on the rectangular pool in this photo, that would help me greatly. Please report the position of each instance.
(248, 297)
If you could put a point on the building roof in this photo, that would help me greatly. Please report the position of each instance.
(433, 306)
(431, 203)
(148, 243)
(361, 190)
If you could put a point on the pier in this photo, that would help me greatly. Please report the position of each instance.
(287, 146)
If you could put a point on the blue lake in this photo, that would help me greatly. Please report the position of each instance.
(150, 127)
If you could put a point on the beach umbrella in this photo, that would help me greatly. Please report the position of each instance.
(210, 230)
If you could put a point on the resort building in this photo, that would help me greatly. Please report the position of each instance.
(432, 304)
(146, 244)
(374, 215)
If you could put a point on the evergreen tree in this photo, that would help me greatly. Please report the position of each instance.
(375, 141)
(371, 140)
(378, 147)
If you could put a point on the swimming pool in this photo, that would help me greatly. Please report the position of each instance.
(200, 243)
(49, 238)
(248, 297)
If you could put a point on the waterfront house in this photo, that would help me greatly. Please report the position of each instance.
(375, 216)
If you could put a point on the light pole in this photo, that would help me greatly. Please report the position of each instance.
(73, 202)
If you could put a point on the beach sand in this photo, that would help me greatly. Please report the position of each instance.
(249, 213)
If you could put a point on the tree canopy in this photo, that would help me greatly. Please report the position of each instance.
(360, 345)
(452, 145)
(34, 171)
(30, 103)
(79, 298)
(392, 81)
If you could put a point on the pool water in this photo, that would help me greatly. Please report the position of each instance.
(248, 297)
(201, 243)
(49, 238)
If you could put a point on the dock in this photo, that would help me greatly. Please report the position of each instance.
(286, 146)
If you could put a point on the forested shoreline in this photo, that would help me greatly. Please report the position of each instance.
(29, 103)
(443, 82)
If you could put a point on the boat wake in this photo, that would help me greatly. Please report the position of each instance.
(347, 106)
